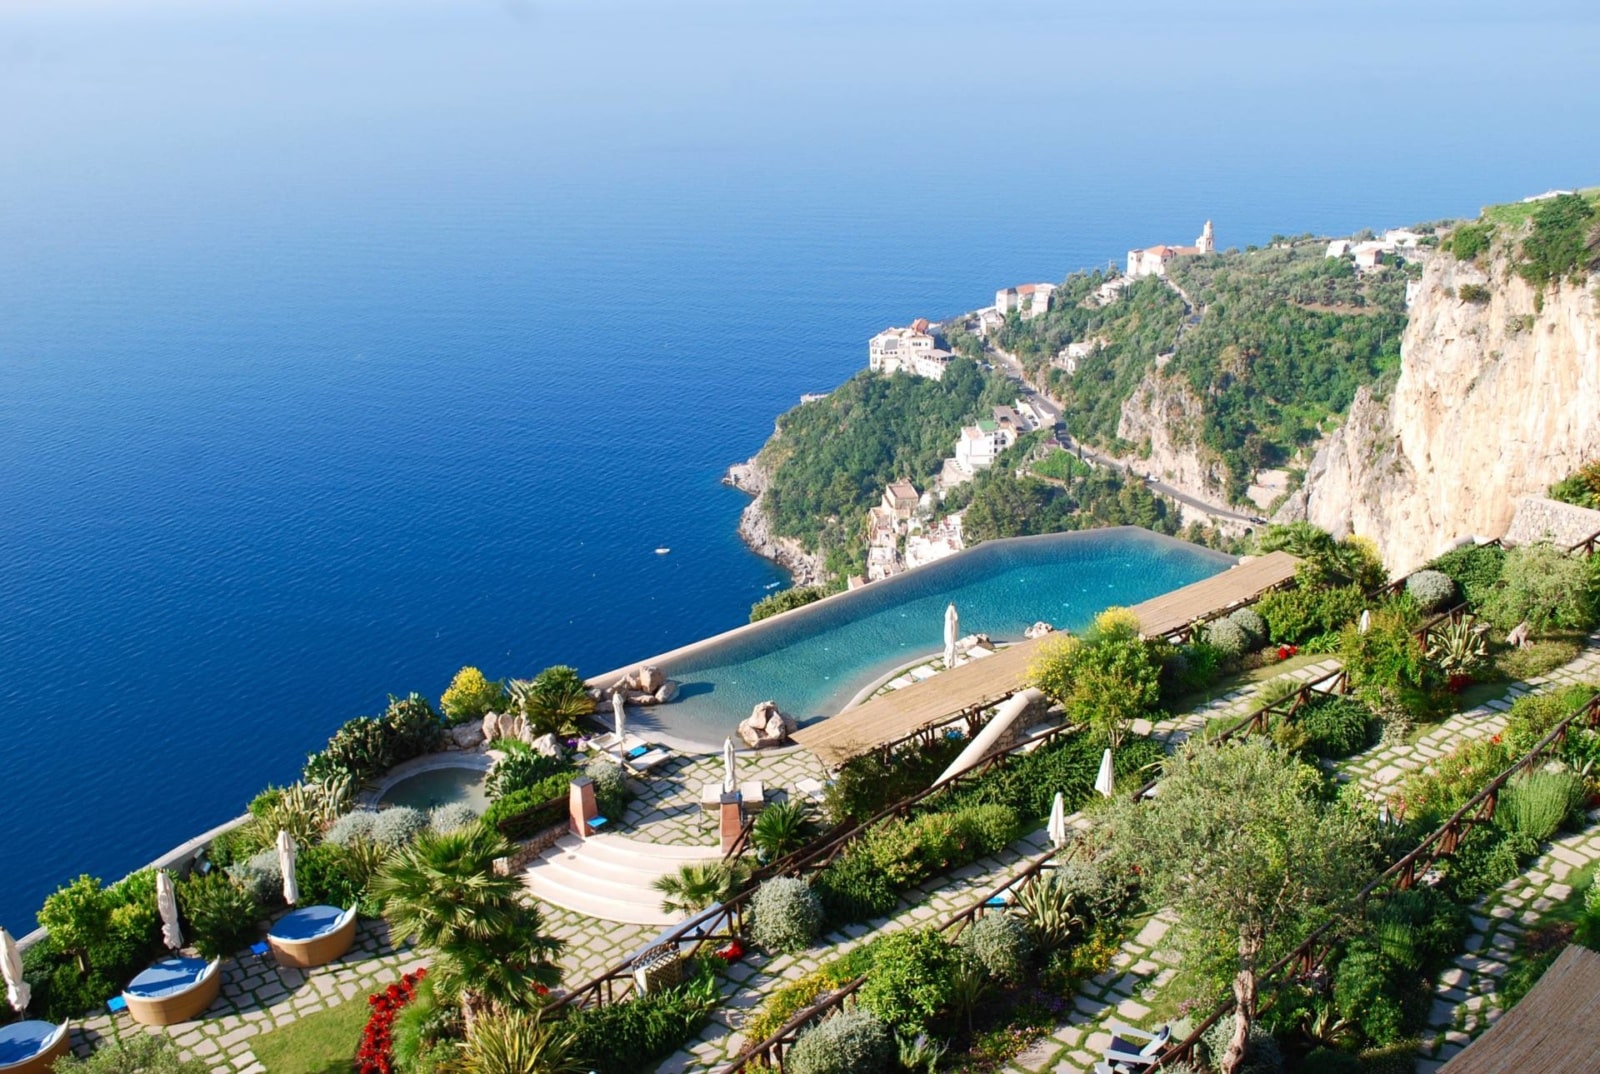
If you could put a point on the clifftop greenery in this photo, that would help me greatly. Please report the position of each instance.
(833, 456)
(1551, 239)
(1284, 337)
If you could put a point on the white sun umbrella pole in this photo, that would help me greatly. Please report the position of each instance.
(620, 715)
(1366, 620)
(952, 631)
(18, 991)
(729, 781)
(1105, 781)
(1058, 822)
(286, 852)
(167, 904)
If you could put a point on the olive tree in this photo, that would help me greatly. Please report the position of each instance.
(1106, 679)
(1245, 849)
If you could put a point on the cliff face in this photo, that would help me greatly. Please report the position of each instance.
(1494, 401)
(1167, 412)
(806, 568)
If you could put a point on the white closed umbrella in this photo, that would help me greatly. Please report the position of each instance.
(286, 852)
(167, 904)
(1058, 822)
(18, 991)
(952, 631)
(1104, 782)
(1366, 621)
(620, 714)
(729, 781)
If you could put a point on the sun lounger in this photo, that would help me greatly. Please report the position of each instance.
(31, 1047)
(312, 936)
(607, 743)
(173, 990)
(1135, 1049)
(644, 762)
(811, 788)
(752, 796)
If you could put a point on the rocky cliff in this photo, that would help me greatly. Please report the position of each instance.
(1495, 399)
(1166, 412)
(806, 568)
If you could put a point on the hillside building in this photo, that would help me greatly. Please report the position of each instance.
(1029, 299)
(1153, 260)
(911, 350)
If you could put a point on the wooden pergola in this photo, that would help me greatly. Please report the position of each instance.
(1176, 611)
(1551, 1029)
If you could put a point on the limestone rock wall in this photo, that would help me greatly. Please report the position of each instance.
(1167, 412)
(1494, 401)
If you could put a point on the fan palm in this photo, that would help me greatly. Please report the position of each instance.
(781, 827)
(695, 887)
(553, 701)
(443, 888)
(508, 971)
(518, 1043)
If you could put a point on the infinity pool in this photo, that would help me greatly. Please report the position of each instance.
(813, 661)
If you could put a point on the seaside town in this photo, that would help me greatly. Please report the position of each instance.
(1189, 665)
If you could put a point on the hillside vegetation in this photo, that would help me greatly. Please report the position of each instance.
(1284, 337)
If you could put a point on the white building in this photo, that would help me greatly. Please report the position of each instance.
(1073, 354)
(981, 443)
(943, 540)
(1152, 261)
(907, 350)
(1029, 299)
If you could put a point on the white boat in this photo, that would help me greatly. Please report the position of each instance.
(772, 585)
(662, 551)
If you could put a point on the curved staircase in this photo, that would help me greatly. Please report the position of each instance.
(610, 876)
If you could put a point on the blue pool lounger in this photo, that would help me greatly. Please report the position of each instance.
(31, 1047)
(173, 990)
(312, 935)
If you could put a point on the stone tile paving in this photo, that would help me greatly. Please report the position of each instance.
(667, 809)
(1466, 998)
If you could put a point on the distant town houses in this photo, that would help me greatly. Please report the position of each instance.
(935, 543)
(1028, 299)
(1153, 260)
(912, 350)
(1370, 254)
(1068, 357)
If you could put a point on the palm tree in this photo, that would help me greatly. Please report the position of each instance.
(553, 700)
(781, 827)
(695, 887)
(518, 1043)
(443, 890)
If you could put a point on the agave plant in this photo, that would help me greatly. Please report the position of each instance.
(1458, 646)
(552, 701)
(1051, 910)
(518, 1043)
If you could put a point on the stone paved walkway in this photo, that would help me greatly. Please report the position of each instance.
(667, 809)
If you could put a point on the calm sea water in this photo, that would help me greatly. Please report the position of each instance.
(344, 343)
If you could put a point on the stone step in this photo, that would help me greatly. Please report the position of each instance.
(555, 889)
(610, 876)
(625, 851)
(639, 873)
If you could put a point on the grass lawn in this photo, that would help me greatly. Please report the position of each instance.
(320, 1043)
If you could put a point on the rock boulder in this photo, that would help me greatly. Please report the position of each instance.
(766, 727)
(467, 736)
(549, 745)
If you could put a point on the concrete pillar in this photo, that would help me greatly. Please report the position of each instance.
(581, 806)
(732, 820)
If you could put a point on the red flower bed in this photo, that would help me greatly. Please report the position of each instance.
(376, 1054)
(1286, 651)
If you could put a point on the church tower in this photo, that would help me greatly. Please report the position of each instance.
(1207, 242)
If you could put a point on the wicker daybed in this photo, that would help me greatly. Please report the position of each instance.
(173, 990)
(31, 1047)
(312, 936)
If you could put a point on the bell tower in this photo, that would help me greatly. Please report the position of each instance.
(1207, 242)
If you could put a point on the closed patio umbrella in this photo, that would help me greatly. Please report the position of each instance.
(952, 631)
(1104, 782)
(729, 781)
(286, 852)
(1058, 822)
(1366, 620)
(18, 991)
(167, 904)
(620, 714)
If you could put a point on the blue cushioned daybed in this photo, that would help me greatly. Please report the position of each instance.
(312, 935)
(173, 990)
(31, 1047)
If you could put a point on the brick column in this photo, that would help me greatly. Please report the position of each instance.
(732, 820)
(581, 807)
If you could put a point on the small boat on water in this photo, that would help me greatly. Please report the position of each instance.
(662, 551)
(772, 585)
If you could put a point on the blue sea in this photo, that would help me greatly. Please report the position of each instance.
(345, 342)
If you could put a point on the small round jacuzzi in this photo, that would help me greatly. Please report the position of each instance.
(172, 990)
(31, 1047)
(312, 935)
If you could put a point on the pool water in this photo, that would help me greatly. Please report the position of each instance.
(812, 662)
(439, 786)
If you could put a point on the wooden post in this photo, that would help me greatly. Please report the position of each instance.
(732, 820)
(581, 806)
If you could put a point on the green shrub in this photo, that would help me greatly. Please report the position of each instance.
(451, 816)
(523, 813)
(1431, 590)
(611, 791)
(787, 915)
(1388, 656)
(1336, 726)
(233, 845)
(1543, 586)
(1262, 1055)
(1330, 1061)
(219, 915)
(1475, 293)
(366, 747)
(352, 827)
(1475, 569)
(1294, 615)
(1228, 638)
(1487, 857)
(912, 982)
(520, 769)
(1398, 1058)
(865, 785)
(851, 1042)
(1250, 621)
(853, 889)
(1366, 990)
(1433, 794)
(423, 1030)
(261, 876)
(1533, 716)
(78, 916)
(1187, 669)
(1536, 804)
(1001, 945)
(398, 825)
(1558, 246)
(331, 875)
(785, 600)
(623, 1038)
(139, 1053)
(1468, 241)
